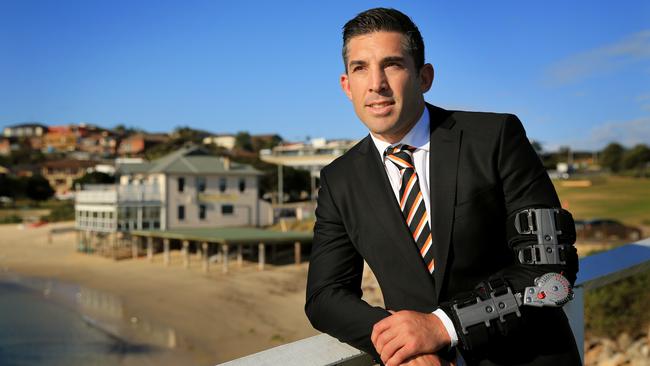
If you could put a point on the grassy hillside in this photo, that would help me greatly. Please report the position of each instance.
(624, 199)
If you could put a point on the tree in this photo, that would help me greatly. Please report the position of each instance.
(185, 134)
(11, 186)
(611, 156)
(38, 188)
(125, 131)
(94, 178)
(265, 143)
(636, 158)
(243, 141)
(25, 154)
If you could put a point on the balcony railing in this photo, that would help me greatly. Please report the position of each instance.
(595, 271)
(109, 193)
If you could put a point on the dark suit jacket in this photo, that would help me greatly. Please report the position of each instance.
(482, 169)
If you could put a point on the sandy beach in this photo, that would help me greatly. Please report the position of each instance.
(211, 318)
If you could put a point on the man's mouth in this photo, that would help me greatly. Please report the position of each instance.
(380, 108)
(379, 104)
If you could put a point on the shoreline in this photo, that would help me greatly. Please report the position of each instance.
(215, 318)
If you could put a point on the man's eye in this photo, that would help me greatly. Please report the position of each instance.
(357, 68)
(393, 64)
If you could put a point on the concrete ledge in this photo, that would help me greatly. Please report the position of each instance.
(320, 350)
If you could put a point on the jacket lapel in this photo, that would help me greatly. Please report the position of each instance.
(378, 191)
(444, 148)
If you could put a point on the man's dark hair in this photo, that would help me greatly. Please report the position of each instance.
(387, 20)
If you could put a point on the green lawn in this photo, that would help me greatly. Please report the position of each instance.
(624, 199)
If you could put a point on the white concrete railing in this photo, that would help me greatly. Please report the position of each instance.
(595, 271)
(107, 193)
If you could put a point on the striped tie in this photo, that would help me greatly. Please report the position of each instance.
(411, 201)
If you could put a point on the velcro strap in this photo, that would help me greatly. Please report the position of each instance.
(542, 253)
(549, 225)
(477, 310)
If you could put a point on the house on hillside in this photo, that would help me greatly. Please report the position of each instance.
(63, 138)
(62, 173)
(188, 188)
(25, 130)
(13, 136)
(100, 143)
(136, 144)
(227, 141)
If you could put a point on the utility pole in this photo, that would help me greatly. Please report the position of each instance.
(280, 185)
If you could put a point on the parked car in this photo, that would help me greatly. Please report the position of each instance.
(606, 229)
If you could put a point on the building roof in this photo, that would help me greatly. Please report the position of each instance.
(189, 160)
(229, 235)
(27, 124)
(155, 137)
(69, 163)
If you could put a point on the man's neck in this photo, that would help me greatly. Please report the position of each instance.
(397, 136)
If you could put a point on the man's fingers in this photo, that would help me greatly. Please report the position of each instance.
(379, 328)
(385, 337)
(392, 347)
(399, 357)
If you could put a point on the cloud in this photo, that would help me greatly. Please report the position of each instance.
(644, 101)
(608, 58)
(627, 133)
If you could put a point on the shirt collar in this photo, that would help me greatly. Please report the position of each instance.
(417, 137)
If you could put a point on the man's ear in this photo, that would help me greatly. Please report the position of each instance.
(426, 77)
(345, 85)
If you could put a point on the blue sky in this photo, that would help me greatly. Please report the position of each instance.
(576, 73)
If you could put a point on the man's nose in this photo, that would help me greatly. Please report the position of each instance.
(378, 81)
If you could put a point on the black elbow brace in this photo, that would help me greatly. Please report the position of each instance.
(493, 309)
(541, 235)
(537, 236)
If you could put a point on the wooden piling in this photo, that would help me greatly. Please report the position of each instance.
(240, 255)
(166, 251)
(297, 252)
(150, 248)
(135, 246)
(261, 257)
(224, 255)
(186, 254)
(206, 258)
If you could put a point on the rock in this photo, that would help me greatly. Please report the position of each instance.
(640, 361)
(593, 354)
(645, 351)
(615, 360)
(624, 341)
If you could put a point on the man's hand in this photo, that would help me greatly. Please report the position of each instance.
(429, 359)
(406, 334)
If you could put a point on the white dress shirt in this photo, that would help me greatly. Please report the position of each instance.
(417, 137)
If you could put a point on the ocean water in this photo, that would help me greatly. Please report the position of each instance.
(44, 322)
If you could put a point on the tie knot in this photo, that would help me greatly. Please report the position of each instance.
(401, 155)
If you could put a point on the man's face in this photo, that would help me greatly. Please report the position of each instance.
(383, 84)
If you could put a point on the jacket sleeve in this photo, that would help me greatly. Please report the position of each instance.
(525, 184)
(334, 304)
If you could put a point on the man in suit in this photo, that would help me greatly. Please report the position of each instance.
(427, 200)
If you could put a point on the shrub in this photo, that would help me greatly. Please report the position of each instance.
(618, 307)
(11, 219)
(60, 213)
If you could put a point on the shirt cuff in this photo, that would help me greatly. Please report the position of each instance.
(446, 321)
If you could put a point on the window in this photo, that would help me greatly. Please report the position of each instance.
(200, 184)
(227, 209)
(181, 212)
(202, 210)
(223, 184)
(242, 184)
(181, 184)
